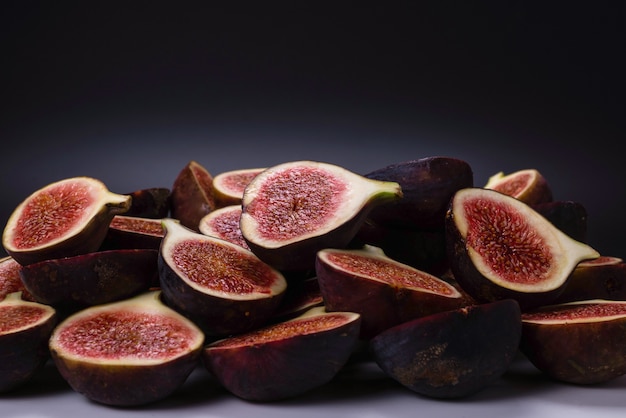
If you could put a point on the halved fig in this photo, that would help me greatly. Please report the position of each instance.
(427, 185)
(383, 291)
(301, 295)
(286, 359)
(153, 202)
(10, 280)
(451, 354)
(192, 195)
(25, 328)
(569, 216)
(221, 286)
(500, 248)
(580, 342)
(73, 283)
(224, 223)
(601, 278)
(528, 185)
(292, 210)
(126, 353)
(132, 232)
(228, 186)
(65, 218)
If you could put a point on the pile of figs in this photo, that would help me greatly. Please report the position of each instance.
(273, 279)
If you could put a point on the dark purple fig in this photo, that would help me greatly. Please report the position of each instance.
(286, 359)
(427, 184)
(62, 219)
(451, 354)
(126, 353)
(192, 195)
(500, 248)
(151, 203)
(10, 280)
(581, 342)
(528, 185)
(601, 278)
(570, 217)
(25, 328)
(221, 286)
(301, 295)
(383, 291)
(73, 283)
(131, 232)
(224, 223)
(228, 186)
(292, 210)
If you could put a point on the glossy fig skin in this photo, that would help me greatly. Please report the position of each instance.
(602, 278)
(152, 203)
(427, 185)
(192, 195)
(569, 216)
(451, 354)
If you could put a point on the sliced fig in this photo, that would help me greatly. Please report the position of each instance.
(153, 202)
(427, 184)
(126, 353)
(569, 216)
(500, 248)
(73, 283)
(10, 280)
(192, 195)
(383, 291)
(65, 218)
(601, 278)
(286, 359)
(224, 223)
(451, 354)
(580, 342)
(132, 232)
(292, 210)
(228, 186)
(221, 286)
(528, 185)
(301, 295)
(25, 328)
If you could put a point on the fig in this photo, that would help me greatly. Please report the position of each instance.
(221, 286)
(383, 291)
(228, 186)
(10, 280)
(301, 295)
(64, 218)
(500, 248)
(601, 278)
(25, 328)
(286, 359)
(527, 185)
(579, 342)
(132, 232)
(153, 202)
(224, 223)
(73, 283)
(192, 195)
(569, 216)
(451, 354)
(292, 210)
(427, 186)
(126, 353)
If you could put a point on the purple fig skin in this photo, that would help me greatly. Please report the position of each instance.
(427, 184)
(593, 280)
(451, 354)
(570, 217)
(192, 195)
(152, 203)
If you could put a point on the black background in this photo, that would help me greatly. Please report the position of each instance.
(129, 92)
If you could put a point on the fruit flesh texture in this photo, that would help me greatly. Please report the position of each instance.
(10, 280)
(224, 223)
(16, 317)
(586, 311)
(138, 224)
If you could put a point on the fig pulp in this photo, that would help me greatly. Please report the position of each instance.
(222, 286)
(286, 359)
(25, 328)
(451, 354)
(224, 223)
(500, 248)
(292, 210)
(581, 342)
(528, 185)
(228, 186)
(383, 291)
(62, 219)
(10, 280)
(131, 232)
(601, 278)
(192, 195)
(126, 353)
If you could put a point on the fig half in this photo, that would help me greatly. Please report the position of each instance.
(292, 210)
(132, 232)
(528, 185)
(224, 223)
(192, 195)
(601, 278)
(500, 248)
(10, 280)
(228, 186)
(62, 219)
(286, 359)
(126, 353)
(221, 286)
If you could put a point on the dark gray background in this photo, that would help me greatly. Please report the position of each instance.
(131, 93)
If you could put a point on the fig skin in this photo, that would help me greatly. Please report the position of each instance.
(427, 185)
(23, 350)
(569, 216)
(569, 351)
(527, 185)
(282, 365)
(128, 381)
(152, 203)
(73, 283)
(601, 278)
(451, 354)
(192, 195)
(131, 232)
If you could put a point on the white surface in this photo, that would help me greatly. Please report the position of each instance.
(361, 390)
